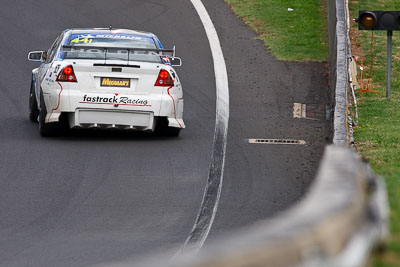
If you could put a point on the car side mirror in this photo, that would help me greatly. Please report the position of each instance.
(176, 61)
(37, 56)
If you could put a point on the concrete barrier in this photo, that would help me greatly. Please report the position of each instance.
(338, 52)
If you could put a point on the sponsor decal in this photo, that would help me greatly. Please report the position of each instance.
(57, 68)
(49, 81)
(115, 100)
(166, 60)
(81, 40)
(115, 82)
(89, 38)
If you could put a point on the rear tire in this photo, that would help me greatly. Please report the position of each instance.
(163, 129)
(33, 107)
(46, 129)
(172, 131)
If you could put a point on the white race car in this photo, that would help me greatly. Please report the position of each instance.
(106, 78)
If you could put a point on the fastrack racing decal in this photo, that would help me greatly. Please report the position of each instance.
(114, 100)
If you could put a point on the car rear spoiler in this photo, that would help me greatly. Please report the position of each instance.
(76, 48)
(130, 52)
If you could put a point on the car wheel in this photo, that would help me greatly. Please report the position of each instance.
(46, 129)
(172, 131)
(163, 129)
(33, 107)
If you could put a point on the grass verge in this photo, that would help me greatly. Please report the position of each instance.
(295, 35)
(378, 134)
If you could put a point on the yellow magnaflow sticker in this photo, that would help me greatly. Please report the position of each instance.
(115, 82)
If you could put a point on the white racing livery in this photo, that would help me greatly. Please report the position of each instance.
(106, 78)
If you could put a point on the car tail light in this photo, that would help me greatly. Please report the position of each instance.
(67, 74)
(164, 79)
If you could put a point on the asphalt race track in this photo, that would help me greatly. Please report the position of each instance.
(90, 197)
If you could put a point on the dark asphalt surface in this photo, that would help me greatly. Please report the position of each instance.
(96, 197)
(261, 180)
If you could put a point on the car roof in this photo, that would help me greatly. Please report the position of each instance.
(110, 30)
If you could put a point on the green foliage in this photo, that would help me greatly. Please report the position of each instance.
(290, 35)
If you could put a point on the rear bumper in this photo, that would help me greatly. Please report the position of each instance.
(103, 118)
(136, 112)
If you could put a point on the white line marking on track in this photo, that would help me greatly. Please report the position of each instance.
(212, 193)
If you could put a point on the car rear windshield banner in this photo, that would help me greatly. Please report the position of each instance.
(93, 38)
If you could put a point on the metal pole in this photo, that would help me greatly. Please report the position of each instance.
(389, 63)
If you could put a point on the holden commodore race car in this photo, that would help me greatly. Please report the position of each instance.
(106, 79)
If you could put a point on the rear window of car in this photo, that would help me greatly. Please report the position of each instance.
(118, 40)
